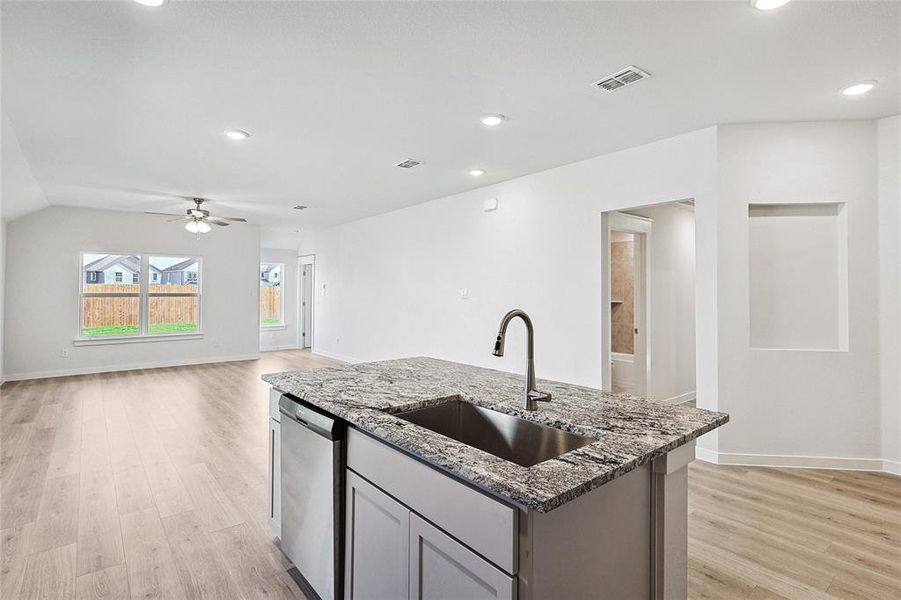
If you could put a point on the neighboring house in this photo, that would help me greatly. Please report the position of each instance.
(269, 274)
(113, 269)
(183, 273)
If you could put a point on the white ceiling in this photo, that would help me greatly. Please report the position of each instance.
(114, 101)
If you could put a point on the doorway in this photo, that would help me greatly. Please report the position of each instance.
(648, 294)
(627, 361)
(306, 267)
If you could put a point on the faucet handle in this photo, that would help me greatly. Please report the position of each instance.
(537, 396)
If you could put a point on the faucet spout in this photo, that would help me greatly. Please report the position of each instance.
(532, 396)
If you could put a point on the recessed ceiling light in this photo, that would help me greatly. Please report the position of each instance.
(151, 2)
(768, 4)
(859, 88)
(237, 134)
(492, 119)
(477, 172)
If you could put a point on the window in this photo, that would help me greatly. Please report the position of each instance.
(162, 296)
(271, 298)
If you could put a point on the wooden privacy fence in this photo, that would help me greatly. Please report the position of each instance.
(110, 311)
(270, 302)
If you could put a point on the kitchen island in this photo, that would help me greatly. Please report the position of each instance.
(607, 519)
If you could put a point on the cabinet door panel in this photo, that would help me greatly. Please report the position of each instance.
(443, 569)
(377, 549)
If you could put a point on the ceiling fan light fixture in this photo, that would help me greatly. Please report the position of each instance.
(153, 3)
(203, 227)
(192, 227)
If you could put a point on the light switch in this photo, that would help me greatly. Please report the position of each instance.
(489, 205)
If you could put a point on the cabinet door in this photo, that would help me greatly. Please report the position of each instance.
(441, 568)
(377, 548)
(275, 479)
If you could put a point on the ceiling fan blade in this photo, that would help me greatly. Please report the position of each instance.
(147, 212)
(235, 219)
(177, 219)
(217, 221)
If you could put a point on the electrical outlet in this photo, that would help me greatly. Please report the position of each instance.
(464, 293)
(64, 353)
(337, 340)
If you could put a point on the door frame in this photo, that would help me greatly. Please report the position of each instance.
(640, 228)
(309, 259)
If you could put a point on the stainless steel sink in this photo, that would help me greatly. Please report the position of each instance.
(511, 438)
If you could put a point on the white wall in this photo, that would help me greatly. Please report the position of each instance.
(42, 321)
(788, 403)
(671, 256)
(393, 282)
(889, 193)
(2, 292)
(279, 338)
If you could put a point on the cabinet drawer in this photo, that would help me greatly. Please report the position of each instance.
(443, 569)
(484, 524)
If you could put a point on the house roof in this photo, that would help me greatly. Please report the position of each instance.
(180, 266)
(130, 262)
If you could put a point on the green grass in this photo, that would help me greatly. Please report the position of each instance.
(115, 330)
(270, 321)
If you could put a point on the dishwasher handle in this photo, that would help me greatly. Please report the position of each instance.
(310, 417)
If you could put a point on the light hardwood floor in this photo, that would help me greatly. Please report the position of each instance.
(152, 484)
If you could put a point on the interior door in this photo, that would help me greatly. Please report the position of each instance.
(306, 305)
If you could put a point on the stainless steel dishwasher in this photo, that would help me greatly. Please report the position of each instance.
(312, 489)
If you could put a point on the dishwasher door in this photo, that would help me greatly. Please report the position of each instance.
(312, 489)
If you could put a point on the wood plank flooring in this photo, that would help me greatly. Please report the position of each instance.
(142, 484)
(152, 484)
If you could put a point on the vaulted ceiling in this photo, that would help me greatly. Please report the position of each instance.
(121, 106)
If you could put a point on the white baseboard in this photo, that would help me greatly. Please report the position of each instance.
(336, 356)
(686, 397)
(277, 348)
(798, 461)
(127, 367)
(705, 455)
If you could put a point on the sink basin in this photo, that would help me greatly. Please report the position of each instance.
(505, 436)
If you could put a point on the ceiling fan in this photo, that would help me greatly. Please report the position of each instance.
(199, 219)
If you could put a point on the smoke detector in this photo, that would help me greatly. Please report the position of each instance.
(408, 163)
(621, 79)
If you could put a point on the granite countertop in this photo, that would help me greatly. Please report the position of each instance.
(629, 431)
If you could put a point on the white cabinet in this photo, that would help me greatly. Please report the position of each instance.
(275, 478)
(377, 548)
(392, 553)
(443, 569)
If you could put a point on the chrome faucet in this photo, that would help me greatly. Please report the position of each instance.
(532, 396)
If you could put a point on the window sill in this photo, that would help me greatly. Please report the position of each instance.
(135, 339)
(273, 327)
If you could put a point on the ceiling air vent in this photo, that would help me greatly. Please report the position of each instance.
(409, 163)
(625, 77)
(300, 207)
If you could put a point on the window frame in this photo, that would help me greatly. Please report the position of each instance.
(281, 297)
(143, 295)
